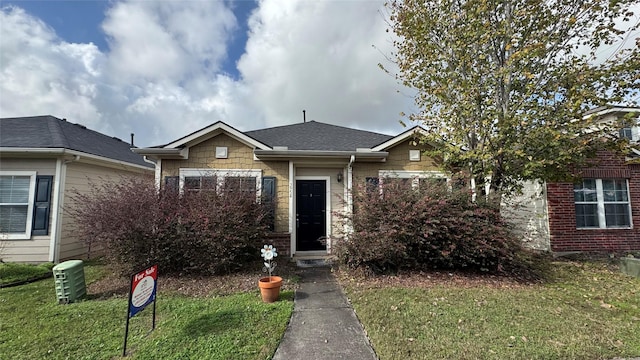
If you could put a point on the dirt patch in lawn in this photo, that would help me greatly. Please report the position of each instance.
(113, 285)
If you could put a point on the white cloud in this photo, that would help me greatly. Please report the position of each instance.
(161, 76)
(322, 56)
(167, 41)
(40, 74)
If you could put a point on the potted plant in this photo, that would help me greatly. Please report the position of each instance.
(269, 285)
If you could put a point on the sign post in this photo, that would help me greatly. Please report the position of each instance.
(142, 292)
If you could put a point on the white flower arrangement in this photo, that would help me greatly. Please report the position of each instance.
(268, 253)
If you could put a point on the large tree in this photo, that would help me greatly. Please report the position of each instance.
(504, 84)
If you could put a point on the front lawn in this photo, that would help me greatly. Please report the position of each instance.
(587, 311)
(15, 272)
(236, 326)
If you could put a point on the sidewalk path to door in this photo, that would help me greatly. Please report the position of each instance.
(323, 325)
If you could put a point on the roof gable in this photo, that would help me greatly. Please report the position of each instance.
(317, 136)
(49, 132)
(210, 131)
(416, 130)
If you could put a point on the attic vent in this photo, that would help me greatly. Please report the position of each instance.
(81, 126)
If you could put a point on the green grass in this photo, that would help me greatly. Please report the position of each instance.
(14, 272)
(588, 311)
(239, 326)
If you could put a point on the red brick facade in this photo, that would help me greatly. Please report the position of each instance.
(562, 218)
(281, 241)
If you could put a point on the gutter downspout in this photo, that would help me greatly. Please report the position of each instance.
(57, 207)
(158, 170)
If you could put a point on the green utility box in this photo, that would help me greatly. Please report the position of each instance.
(69, 278)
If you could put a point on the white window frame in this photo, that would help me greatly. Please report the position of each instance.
(26, 235)
(415, 176)
(221, 174)
(602, 219)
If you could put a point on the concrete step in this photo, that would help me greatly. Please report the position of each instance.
(313, 263)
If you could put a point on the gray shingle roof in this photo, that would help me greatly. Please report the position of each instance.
(50, 132)
(314, 135)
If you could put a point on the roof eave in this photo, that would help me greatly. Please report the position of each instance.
(29, 150)
(416, 130)
(604, 110)
(320, 155)
(160, 153)
(39, 152)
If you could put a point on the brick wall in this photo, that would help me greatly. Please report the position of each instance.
(281, 241)
(562, 218)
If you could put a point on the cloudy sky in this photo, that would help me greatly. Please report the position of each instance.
(162, 69)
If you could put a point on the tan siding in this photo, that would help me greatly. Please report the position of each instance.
(35, 249)
(398, 159)
(42, 166)
(240, 156)
(79, 177)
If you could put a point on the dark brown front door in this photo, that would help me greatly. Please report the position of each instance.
(311, 217)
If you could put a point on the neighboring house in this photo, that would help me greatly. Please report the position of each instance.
(308, 169)
(600, 213)
(43, 160)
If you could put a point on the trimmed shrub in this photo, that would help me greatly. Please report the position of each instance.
(205, 232)
(396, 227)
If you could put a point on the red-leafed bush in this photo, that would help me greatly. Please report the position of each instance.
(396, 227)
(206, 232)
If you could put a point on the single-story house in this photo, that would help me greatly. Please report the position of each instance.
(308, 169)
(43, 160)
(601, 212)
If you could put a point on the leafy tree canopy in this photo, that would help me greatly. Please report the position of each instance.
(503, 85)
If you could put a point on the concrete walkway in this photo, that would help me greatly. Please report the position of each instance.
(323, 325)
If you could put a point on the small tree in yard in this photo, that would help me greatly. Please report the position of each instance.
(205, 232)
(503, 85)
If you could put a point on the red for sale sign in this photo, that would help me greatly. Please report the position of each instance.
(143, 289)
(141, 293)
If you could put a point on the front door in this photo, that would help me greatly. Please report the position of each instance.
(311, 217)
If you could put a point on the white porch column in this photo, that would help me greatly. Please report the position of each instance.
(292, 217)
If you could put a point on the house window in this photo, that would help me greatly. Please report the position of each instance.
(193, 180)
(411, 179)
(200, 183)
(17, 192)
(602, 203)
(245, 184)
(626, 133)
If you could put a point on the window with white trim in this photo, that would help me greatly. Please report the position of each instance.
(626, 133)
(17, 191)
(217, 180)
(413, 179)
(602, 204)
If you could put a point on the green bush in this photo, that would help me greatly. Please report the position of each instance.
(204, 232)
(395, 227)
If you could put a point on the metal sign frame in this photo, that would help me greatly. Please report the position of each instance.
(142, 292)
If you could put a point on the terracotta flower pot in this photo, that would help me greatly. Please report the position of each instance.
(270, 288)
